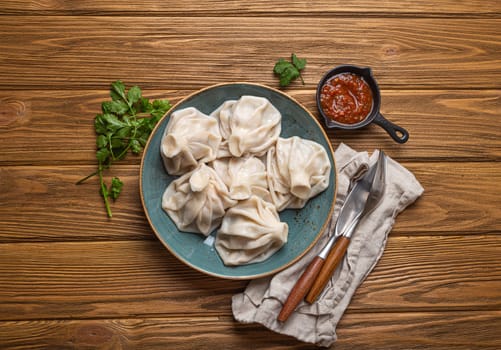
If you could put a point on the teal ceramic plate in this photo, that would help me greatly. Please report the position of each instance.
(305, 225)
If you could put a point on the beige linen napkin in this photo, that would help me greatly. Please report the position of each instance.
(263, 298)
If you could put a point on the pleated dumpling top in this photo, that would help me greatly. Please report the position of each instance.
(298, 169)
(197, 201)
(251, 232)
(249, 126)
(191, 137)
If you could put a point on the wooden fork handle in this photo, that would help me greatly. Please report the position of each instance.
(300, 289)
(331, 262)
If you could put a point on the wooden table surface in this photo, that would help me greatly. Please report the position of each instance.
(70, 278)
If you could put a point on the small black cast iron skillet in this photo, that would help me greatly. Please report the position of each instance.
(396, 132)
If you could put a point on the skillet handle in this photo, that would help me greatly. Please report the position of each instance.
(396, 132)
(331, 262)
(300, 289)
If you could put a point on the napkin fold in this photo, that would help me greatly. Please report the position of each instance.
(263, 298)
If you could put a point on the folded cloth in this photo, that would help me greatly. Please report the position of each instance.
(263, 298)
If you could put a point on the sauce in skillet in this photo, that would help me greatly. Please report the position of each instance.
(346, 98)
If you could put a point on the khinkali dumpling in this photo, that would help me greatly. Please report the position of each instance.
(190, 137)
(250, 232)
(298, 169)
(243, 176)
(250, 125)
(197, 201)
(223, 114)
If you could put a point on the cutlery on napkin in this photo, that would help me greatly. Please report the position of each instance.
(316, 323)
(363, 197)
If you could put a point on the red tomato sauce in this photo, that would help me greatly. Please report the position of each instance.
(346, 98)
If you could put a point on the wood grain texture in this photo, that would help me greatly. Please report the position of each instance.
(472, 204)
(395, 331)
(173, 52)
(25, 215)
(256, 7)
(140, 278)
(70, 278)
(61, 122)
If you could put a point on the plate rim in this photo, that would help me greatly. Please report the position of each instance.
(240, 277)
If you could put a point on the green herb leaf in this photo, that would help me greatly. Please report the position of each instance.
(288, 74)
(117, 91)
(100, 124)
(161, 105)
(299, 63)
(143, 139)
(118, 107)
(123, 133)
(102, 155)
(145, 105)
(113, 123)
(101, 141)
(289, 71)
(124, 125)
(117, 143)
(134, 94)
(135, 146)
(116, 188)
(281, 66)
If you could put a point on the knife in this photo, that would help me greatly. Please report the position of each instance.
(374, 186)
(348, 218)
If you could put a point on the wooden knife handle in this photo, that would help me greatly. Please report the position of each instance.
(300, 289)
(331, 262)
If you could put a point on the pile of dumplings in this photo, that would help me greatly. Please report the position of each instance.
(236, 174)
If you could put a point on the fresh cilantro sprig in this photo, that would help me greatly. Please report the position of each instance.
(289, 71)
(124, 125)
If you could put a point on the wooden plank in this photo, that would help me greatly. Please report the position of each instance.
(34, 218)
(191, 52)
(465, 200)
(458, 330)
(63, 124)
(118, 279)
(257, 7)
(25, 219)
